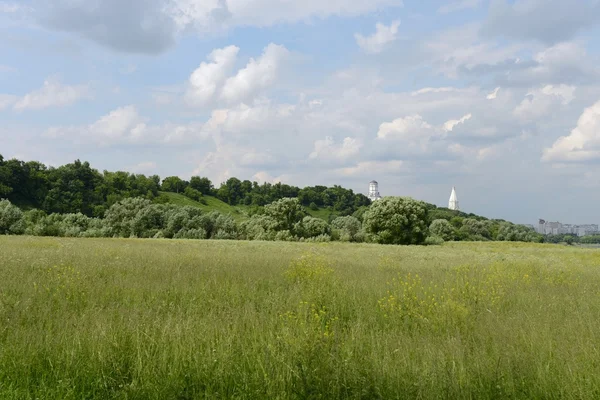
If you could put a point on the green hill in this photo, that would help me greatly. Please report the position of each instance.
(212, 204)
(238, 212)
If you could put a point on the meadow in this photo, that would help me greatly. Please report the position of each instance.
(186, 319)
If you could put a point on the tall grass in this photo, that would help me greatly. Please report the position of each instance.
(153, 319)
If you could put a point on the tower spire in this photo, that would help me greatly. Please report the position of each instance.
(453, 202)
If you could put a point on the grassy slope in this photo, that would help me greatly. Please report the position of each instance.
(214, 204)
(157, 319)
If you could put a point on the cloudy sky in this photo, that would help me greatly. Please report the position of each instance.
(498, 98)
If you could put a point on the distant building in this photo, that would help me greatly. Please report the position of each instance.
(374, 191)
(556, 228)
(453, 202)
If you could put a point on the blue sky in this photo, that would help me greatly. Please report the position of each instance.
(498, 98)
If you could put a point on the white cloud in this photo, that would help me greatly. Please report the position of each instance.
(458, 6)
(406, 128)
(583, 144)
(125, 125)
(143, 167)
(376, 42)
(429, 90)
(52, 94)
(327, 149)
(208, 78)
(540, 102)
(7, 100)
(10, 8)
(206, 15)
(493, 95)
(256, 76)
(450, 125)
(368, 168)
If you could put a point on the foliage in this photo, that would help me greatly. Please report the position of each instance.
(287, 212)
(434, 241)
(311, 227)
(11, 219)
(348, 229)
(397, 220)
(442, 229)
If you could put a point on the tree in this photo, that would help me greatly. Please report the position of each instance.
(349, 228)
(397, 220)
(311, 227)
(287, 212)
(203, 185)
(173, 184)
(11, 219)
(443, 229)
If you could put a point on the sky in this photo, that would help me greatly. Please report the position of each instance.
(498, 98)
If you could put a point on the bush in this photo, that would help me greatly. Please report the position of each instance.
(443, 229)
(348, 229)
(434, 240)
(311, 227)
(192, 194)
(11, 219)
(397, 220)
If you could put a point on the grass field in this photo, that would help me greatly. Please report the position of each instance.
(167, 319)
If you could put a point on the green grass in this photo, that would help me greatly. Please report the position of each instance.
(212, 204)
(168, 319)
(238, 212)
(322, 213)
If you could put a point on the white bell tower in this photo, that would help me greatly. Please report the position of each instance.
(374, 191)
(453, 202)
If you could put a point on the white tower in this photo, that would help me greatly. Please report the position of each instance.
(374, 191)
(453, 203)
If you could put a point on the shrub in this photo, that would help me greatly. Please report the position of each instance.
(443, 229)
(397, 220)
(348, 229)
(11, 219)
(311, 227)
(434, 241)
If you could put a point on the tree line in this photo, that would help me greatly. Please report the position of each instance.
(79, 188)
(392, 220)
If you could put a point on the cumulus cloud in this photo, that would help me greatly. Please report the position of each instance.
(125, 125)
(459, 6)
(327, 149)
(583, 144)
(52, 94)
(549, 21)
(256, 76)
(210, 83)
(208, 78)
(540, 102)
(376, 42)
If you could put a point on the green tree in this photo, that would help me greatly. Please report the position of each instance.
(443, 229)
(203, 185)
(287, 212)
(349, 228)
(173, 184)
(11, 219)
(397, 220)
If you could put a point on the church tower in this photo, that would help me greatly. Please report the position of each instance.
(453, 203)
(374, 191)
